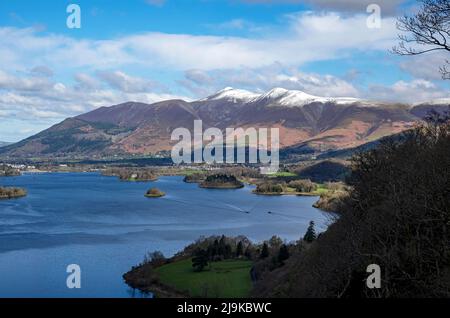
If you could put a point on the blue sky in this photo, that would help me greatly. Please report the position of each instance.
(150, 50)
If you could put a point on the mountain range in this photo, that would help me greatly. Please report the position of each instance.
(320, 123)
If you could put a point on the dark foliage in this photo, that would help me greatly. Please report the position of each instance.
(283, 254)
(310, 234)
(264, 251)
(397, 216)
(324, 171)
(200, 260)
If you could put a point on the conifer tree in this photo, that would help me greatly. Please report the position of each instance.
(310, 234)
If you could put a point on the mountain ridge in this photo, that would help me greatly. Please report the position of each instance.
(133, 128)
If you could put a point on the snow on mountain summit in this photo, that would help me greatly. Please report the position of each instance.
(232, 94)
(276, 97)
(293, 98)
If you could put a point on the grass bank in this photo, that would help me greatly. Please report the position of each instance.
(227, 279)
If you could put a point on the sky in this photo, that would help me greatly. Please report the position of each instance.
(152, 50)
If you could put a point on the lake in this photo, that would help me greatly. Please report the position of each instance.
(106, 226)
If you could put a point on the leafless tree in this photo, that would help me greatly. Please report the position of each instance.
(428, 29)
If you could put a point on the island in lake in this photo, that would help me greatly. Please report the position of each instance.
(154, 193)
(12, 193)
(221, 181)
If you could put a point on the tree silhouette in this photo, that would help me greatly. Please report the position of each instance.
(239, 249)
(283, 254)
(264, 251)
(200, 260)
(310, 234)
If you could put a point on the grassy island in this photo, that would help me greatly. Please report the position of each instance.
(154, 193)
(221, 181)
(12, 193)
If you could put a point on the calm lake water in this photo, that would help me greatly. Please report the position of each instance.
(107, 226)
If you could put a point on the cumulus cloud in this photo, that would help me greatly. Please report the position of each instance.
(415, 91)
(38, 103)
(203, 83)
(33, 83)
(126, 83)
(425, 66)
(309, 37)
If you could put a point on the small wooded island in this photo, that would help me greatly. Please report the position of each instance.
(221, 181)
(12, 193)
(154, 193)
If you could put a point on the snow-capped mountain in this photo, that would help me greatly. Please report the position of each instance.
(276, 97)
(231, 94)
(295, 98)
(321, 123)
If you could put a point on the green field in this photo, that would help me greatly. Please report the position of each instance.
(321, 188)
(228, 279)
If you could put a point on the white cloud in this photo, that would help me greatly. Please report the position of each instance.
(425, 66)
(204, 83)
(38, 102)
(415, 91)
(310, 37)
(125, 83)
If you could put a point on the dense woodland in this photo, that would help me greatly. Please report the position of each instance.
(397, 215)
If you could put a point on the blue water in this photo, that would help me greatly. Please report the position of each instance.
(107, 226)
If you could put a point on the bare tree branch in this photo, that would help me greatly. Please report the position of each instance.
(429, 30)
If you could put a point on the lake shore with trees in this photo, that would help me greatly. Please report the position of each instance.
(213, 267)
